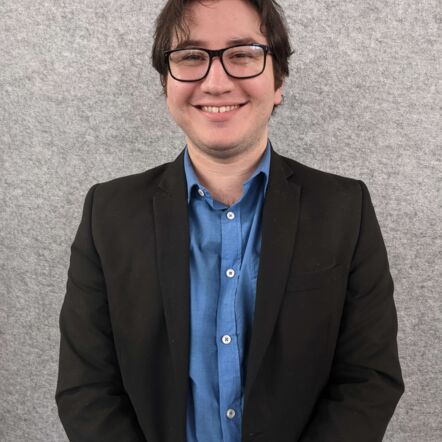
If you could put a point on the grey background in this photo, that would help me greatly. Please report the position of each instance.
(79, 103)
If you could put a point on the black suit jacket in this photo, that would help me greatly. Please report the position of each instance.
(323, 363)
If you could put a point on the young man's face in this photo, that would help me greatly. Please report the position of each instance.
(216, 25)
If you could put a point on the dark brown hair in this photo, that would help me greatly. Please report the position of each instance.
(172, 19)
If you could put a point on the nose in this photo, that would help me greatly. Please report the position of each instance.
(217, 81)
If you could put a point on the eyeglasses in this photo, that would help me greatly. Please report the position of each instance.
(240, 61)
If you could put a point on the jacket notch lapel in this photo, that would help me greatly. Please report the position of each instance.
(279, 226)
(172, 249)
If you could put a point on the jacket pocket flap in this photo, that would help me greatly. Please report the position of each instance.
(314, 280)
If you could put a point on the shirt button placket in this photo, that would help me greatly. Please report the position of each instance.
(228, 350)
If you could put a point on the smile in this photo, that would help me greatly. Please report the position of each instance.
(219, 110)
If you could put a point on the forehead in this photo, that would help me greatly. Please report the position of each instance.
(219, 23)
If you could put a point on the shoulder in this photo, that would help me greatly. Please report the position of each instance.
(128, 194)
(318, 182)
(146, 182)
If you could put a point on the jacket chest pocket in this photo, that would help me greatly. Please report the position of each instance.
(332, 277)
(309, 318)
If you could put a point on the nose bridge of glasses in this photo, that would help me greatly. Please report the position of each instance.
(213, 54)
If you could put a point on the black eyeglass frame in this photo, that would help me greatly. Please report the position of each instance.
(218, 53)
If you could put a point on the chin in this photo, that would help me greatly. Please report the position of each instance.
(223, 148)
(219, 151)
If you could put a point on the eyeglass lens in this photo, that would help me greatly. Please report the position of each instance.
(240, 62)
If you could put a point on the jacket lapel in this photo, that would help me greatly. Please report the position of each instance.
(279, 225)
(172, 233)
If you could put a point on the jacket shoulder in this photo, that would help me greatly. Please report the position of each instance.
(320, 182)
(146, 181)
(126, 195)
(132, 187)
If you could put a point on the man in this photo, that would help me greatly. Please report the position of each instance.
(232, 295)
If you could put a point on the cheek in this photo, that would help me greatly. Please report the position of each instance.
(178, 95)
(264, 88)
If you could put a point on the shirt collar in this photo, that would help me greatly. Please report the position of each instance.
(262, 168)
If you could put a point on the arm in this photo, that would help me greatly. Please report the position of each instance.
(91, 400)
(365, 382)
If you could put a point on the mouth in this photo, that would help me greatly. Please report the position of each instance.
(220, 109)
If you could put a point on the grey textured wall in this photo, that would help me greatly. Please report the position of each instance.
(79, 103)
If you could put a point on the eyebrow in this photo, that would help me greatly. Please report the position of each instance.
(188, 43)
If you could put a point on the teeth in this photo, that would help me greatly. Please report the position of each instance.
(214, 109)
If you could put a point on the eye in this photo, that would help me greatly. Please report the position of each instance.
(188, 57)
(244, 55)
(192, 57)
(241, 54)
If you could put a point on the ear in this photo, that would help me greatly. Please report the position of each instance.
(278, 95)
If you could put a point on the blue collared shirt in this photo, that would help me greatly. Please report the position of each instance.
(225, 246)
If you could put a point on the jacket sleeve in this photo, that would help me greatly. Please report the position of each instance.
(365, 383)
(92, 402)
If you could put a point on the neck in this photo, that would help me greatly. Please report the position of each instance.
(224, 177)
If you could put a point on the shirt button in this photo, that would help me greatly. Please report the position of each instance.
(230, 413)
(201, 192)
(230, 215)
(230, 273)
(226, 339)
